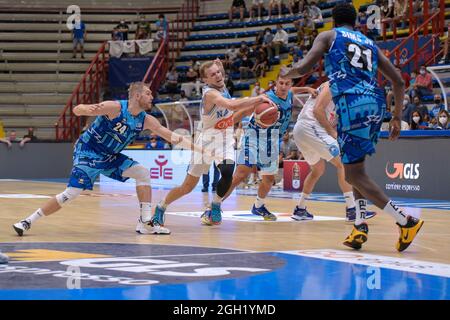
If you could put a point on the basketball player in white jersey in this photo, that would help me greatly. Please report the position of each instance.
(216, 135)
(315, 136)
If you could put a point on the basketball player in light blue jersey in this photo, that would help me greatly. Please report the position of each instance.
(351, 62)
(260, 146)
(98, 151)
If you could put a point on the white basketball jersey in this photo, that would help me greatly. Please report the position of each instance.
(306, 116)
(218, 117)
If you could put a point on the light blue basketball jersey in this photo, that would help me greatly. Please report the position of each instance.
(112, 136)
(352, 64)
(285, 109)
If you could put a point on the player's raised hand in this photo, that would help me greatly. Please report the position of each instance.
(313, 92)
(394, 128)
(284, 71)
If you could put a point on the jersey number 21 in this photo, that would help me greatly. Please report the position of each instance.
(360, 57)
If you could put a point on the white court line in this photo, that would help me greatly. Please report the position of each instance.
(401, 264)
(246, 216)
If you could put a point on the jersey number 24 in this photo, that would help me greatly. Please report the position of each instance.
(120, 127)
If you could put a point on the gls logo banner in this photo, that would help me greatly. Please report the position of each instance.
(400, 170)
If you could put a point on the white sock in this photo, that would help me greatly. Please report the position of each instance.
(259, 202)
(349, 199)
(302, 200)
(395, 212)
(146, 211)
(36, 215)
(361, 208)
(163, 204)
(217, 199)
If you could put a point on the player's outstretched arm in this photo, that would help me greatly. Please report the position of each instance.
(215, 98)
(398, 87)
(323, 100)
(105, 108)
(151, 123)
(307, 90)
(243, 112)
(320, 47)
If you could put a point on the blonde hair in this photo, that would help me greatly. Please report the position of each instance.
(204, 66)
(136, 87)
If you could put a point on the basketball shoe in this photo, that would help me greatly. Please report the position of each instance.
(357, 237)
(408, 232)
(22, 226)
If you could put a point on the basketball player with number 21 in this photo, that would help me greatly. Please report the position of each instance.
(261, 141)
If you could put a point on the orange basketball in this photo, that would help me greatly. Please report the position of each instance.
(266, 115)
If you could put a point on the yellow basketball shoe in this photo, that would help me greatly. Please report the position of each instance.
(357, 237)
(408, 232)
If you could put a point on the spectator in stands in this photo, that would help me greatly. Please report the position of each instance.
(288, 149)
(229, 84)
(401, 11)
(442, 121)
(143, 30)
(29, 137)
(191, 75)
(172, 82)
(78, 37)
(123, 28)
(257, 90)
(272, 5)
(243, 50)
(232, 54)
(156, 143)
(438, 106)
(237, 5)
(280, 40)
(259, 40)
(418, 106)
(192, 82)
(268, 37)
(245, 68)
(408, 109)
(116, 35)
(261, 64)
(315, 13)
(417, 122)
(160, 35)
(423, 85)
(405, 76)
(446, 41)
(387, 9)
(205, 179)
(296, 6)
(257, 6)
(162, 23)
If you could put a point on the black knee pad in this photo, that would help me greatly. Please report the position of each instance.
(226, 177)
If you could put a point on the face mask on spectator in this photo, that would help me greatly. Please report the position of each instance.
(437, 101)
(416, 119)
(443, 120)
(422, 72)
(153, 144)
(405, 102)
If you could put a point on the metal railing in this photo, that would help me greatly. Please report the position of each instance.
(88, 90)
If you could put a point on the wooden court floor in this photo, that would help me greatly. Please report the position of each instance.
(110, 216)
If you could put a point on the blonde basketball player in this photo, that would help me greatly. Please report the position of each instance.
(216, 135)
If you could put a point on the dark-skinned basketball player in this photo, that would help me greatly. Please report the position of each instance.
(351, 63)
